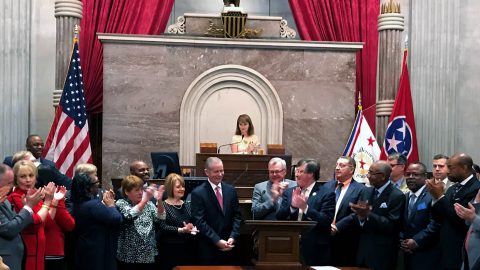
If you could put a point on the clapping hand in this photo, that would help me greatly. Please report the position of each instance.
(148, 193)
(4, 192)
(362, 209)
(299, 200)
(109, 198)
(60, 194)
(48, 192)
(436, 188)
(159, 193)
(33, 196)
(465, 213)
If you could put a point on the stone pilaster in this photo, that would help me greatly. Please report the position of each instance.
(68, 14)
(390, 27)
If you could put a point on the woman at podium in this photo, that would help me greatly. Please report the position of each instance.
(244, 141)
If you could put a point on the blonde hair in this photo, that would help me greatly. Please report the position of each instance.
(21, 155)
(85, 168)
(24, 164)
(130, 182)
(170, 182)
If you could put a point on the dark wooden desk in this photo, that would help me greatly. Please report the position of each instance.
(241, 170)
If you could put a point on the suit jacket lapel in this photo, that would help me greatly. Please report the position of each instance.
(465, 188)
(213, 196)
(313, 193)
(385, 193)
(345, 200)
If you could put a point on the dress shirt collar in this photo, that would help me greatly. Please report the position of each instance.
(345, 183)
(466, 180)
(381, 189)
(418, 192)
(215, 186)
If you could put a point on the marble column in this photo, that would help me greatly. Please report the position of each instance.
(390, 45)
(68, 14)
(15, 74)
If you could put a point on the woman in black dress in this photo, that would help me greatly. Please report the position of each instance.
(177, 242)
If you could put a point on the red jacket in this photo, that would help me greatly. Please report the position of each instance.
(34, 235)
(54, 230)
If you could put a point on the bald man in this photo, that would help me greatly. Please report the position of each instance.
(454, 229)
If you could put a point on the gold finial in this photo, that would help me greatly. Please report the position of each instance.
(390, 7)
(359, 101)
(76, 30)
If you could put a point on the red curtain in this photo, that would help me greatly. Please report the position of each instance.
(147, 17)
(345, 20)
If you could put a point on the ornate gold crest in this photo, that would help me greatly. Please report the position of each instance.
(234, 24)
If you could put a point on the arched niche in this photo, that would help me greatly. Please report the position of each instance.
(213, 101)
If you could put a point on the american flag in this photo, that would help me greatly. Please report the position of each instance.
(68, 142)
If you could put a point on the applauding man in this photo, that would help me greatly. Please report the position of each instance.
(309, 201)
(267, 195)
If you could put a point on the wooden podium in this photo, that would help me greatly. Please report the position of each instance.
(278, 242)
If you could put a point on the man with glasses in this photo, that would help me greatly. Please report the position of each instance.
(419, 236)
(398, 162)
(454, 229)
(267, 195)
(347, 190)
(378, 216)
(309, 201)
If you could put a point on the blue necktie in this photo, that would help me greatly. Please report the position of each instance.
(411, 203)
(338, 191)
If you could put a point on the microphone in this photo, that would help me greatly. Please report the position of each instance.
(241, 175)
(223, 145)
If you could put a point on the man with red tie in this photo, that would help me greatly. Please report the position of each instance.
(216, 214)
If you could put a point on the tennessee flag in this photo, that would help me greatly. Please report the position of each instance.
(362, 147)
(400, 136)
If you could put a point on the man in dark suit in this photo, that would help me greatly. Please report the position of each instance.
(309, 201)
(420, 233)
(347, 190)
(33, 144)
(267, 195)
(216, 214)
(471, 215)
(454, 229)
(11, 223)
(378, 214)
(47, 170)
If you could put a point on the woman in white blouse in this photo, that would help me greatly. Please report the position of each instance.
(244, 141)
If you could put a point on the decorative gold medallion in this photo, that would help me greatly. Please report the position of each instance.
(234, 24)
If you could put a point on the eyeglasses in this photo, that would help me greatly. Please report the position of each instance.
(276, 172)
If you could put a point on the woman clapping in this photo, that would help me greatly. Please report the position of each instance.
(136, 242)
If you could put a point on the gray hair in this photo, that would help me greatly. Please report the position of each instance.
(277, 160)
(210, 161)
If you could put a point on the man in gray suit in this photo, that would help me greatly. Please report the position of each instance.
(471, 215)
(11, 245)
(267, 195)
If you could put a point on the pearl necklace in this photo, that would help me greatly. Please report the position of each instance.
(177, 206)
